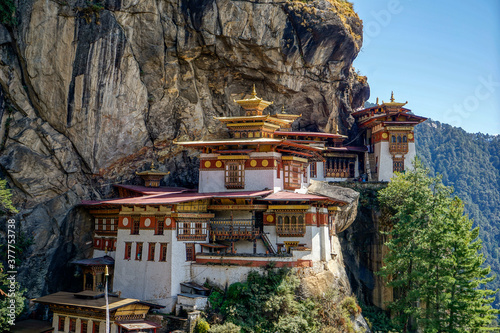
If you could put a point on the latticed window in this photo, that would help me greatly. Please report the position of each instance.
(138, 251)
(163, 252)
(96, 326)
(312, 170)
(190, 254)
(398, 165)
(128, 251)
(292, 173)
(193, 229)
(151, 252)
(83, 327)
(160, 224)
(72, 325)
(135, 226)
(290, 224)
(60, 326)
(399, 143)
(235, 174)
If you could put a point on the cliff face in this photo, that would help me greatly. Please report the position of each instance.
(91, 92)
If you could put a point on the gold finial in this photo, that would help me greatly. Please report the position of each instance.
(106, 271)
(392, 96)
(283, 109)
(337, 130)
(377, 101)
(254, 93)
(152, 165)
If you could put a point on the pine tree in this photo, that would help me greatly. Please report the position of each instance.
(434, 263)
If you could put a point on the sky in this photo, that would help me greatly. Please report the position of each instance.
(443, 57)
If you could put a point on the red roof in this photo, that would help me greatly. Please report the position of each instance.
(314, 134)
(293, 196)
(152, 190)
(176, 197)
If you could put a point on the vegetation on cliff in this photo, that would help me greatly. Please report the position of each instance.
(470, 163)
(11, 297)
(434, 262)
(273, 302)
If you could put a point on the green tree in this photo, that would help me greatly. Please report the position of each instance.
(6, 206)
(434, 262)
(7, 11)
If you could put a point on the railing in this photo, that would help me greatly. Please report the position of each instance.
(233, 229)
(291, 231)
(268, 243)
(398, 147)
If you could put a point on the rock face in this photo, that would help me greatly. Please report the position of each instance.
(92, 91)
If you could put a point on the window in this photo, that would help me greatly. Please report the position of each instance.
(193, 229)
(312, 170)
(398, 165)
(292, 172)
(163, 252)
(198, 228)
(290, 224)
(399, 143)
(95, 327)
(151, 252)
(60, 326)
(138, 251)
(160, 224)
(128, 251)
(235, 174)
(190, 255)
(83, 327)
(72, 325)
(135, 226)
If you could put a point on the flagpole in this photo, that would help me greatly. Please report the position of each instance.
(106, 274)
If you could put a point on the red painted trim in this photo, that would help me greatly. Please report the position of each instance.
(251, 263)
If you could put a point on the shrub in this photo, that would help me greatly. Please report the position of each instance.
(202, 326)
(225, 328)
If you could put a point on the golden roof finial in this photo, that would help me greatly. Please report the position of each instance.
(254, 93)
(283, 109)
(392, 96)
(337, 129)
(377, 101)
(152, 165)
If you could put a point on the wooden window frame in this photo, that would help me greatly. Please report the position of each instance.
(292, 172)
(84, 323)
(96, 325)
(128, 251)
(61, 323)
(136, 225)
(290, 224)
(160, 226)
(190, 252)
(163, 252)
(398, 164)
(234, 174)
(151, 251)
(313, 170)
(138, 251)
(72, 325)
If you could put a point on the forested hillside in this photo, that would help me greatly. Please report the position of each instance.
(471, 164)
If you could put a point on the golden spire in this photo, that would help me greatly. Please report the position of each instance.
(337, 129)
(283, 109)
(392, 96)
(377, 101)
(152, 165)
(254, 93)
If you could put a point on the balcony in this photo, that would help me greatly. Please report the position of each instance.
(226, 229)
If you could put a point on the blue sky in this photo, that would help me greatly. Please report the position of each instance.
(443, 57)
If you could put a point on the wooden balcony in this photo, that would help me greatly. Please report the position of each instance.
(398, 148)
(299, 231)
(233, 230)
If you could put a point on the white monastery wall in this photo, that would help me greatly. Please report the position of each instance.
(384, 161)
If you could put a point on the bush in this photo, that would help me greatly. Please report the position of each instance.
(202, 326)
(225, 328)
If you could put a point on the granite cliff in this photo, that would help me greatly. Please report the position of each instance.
(91, 92)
